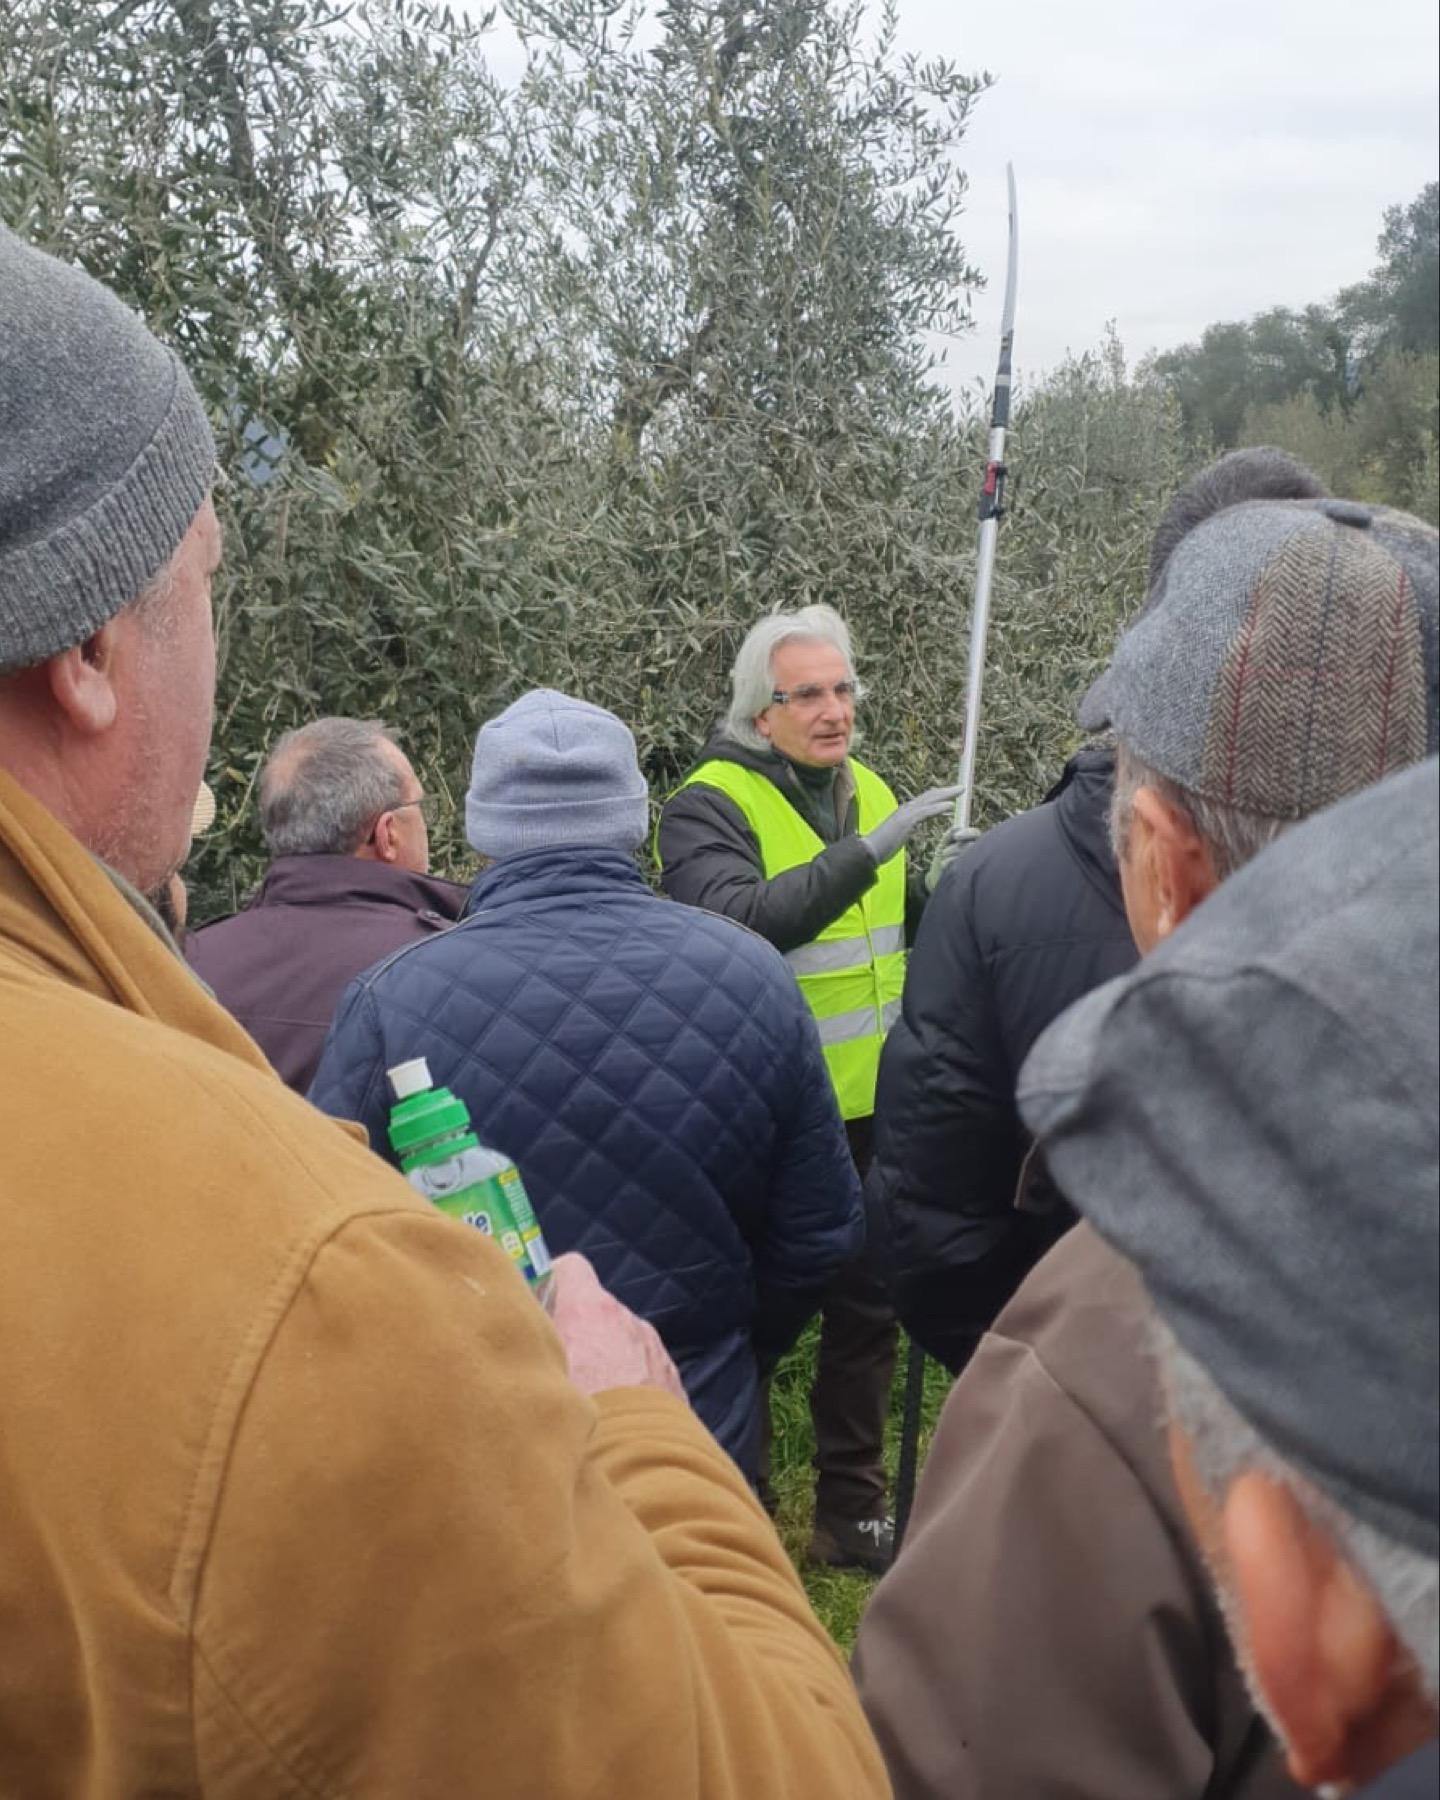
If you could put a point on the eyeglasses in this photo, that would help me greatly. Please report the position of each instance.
(427, 813)
(814, 694)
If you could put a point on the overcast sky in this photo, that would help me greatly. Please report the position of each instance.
(1181, 163)
(1178, 163)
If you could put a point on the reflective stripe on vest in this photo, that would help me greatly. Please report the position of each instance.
(843, 1028)
(825, 956)
(851, 973)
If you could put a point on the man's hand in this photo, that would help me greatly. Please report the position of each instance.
(893, 833)
(606, 1346)
(956, 839)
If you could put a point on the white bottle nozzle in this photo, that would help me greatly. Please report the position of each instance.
(409, 1078)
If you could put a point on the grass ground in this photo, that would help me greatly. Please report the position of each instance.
(838, 1595)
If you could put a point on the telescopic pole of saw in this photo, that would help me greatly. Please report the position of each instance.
(992, 509)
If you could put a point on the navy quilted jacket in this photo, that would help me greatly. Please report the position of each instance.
(656, 1076)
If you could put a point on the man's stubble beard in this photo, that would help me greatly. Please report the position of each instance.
(128, 838)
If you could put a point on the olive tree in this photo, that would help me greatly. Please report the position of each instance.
(566, 378)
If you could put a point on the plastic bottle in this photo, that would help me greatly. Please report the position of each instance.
(440, 1155)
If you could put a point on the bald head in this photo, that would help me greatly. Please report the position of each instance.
(336, 787)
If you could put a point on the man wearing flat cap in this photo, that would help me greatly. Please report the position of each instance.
(1286, 656)
(1250, 1120)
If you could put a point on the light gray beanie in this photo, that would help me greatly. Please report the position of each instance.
(105, 455)
(552, 770)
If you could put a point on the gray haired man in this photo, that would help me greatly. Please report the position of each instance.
(1250, 1121)
(1286, 657)
(779, 827)
(343, 814)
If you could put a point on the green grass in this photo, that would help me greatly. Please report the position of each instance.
(838, 1595)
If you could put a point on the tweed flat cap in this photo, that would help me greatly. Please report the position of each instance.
(1287, 656)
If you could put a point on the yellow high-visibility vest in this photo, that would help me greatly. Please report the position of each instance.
(852, 973)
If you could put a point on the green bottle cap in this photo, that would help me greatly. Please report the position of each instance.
(427, 1124)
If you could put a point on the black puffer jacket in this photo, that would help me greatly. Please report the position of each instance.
(709, 857)
(1020, 927)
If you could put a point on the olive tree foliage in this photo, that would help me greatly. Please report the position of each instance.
(1262, 361)
(1099, 453)
(566, 378)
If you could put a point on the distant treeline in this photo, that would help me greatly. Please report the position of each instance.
(1350, 385)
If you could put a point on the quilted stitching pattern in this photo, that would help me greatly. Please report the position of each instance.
(656, 1076)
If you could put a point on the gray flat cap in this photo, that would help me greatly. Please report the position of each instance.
(1251, 1118)
(1286, 656)
(105, 455)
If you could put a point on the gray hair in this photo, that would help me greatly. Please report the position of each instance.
(1224, 1446)
(1232, 835)
(325, 784)
(155, 604)
(752, 680)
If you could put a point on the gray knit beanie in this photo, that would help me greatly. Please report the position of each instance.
(551, 770)
(106, 455)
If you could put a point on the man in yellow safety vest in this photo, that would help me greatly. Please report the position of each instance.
(778, 826)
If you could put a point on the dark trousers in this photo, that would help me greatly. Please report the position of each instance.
(850, 1396)
(850, 1400)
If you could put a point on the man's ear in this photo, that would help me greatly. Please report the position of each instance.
(1176, 862)
(1322, 1651)
(81, 682)
(762, 724)
(383, 839)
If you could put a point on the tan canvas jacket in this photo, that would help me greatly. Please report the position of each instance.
(297, 1499)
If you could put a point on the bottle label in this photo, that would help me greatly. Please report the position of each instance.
(521, 1211)
(496, 1204)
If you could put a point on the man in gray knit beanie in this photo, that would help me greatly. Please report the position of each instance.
(651, 1068)
(108, 543)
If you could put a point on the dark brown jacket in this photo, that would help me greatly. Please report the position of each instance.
(281, 965)
(1049, 1632)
